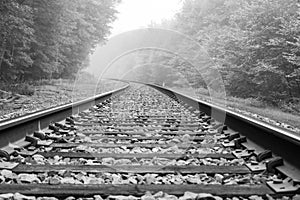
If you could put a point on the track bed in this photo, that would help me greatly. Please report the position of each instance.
(140, 144)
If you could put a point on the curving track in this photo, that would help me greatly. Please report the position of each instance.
(138, 143)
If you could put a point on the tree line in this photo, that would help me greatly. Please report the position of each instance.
(50, 39)
(254, 43)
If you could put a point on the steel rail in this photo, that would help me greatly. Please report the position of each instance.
(17, 129)
(260, 137)
(283, 143)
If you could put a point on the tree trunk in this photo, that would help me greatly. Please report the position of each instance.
(298, 86)
(3, 49)
(289, 87)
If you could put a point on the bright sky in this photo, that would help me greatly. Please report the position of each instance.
(134, 14)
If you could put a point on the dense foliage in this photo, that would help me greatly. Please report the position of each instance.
(256, 44)
(42, 38)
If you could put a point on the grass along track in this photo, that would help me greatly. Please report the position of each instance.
(48, 96)
(251, 108)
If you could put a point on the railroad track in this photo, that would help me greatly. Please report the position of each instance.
(145, 142)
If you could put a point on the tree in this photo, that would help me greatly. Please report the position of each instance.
(255, 44)
(15, 36)
(42, 39)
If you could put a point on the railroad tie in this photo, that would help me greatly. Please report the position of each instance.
(141, 142)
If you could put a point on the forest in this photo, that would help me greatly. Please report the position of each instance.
(42, 39)
(254, 43)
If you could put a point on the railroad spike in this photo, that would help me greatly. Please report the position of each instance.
(33, 140)
(234, 135)
(39, 134)
(4, 154)
(69, 120)
(273, 163)
(264, 155)
(239, 141)
(54, 128)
